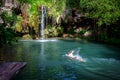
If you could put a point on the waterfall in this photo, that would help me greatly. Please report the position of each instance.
(43, 21)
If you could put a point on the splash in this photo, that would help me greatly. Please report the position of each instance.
(75, 55)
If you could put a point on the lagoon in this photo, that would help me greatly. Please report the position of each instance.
(46, 60)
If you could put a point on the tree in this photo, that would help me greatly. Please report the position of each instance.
(104, 11)
(7, 34)
(105, 15)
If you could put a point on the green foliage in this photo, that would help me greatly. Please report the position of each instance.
(72, 3)
(23, 1)
(54, 7)
(51, 31)
(7, 34)
(105, 11)
(17, 26)
(0, 2)
(8, 18)
(82, 31)
(103, 36)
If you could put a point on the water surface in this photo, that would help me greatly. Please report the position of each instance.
(46, 60)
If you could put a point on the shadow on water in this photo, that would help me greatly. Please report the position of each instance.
(114, 50)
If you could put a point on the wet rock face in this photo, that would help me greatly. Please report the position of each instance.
(1, 20)
(8, 4)
(72, 18)
(76, 16)
(75, 24)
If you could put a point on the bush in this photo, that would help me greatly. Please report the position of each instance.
(51, 31)
(7, 34)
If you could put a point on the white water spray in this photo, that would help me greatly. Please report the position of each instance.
(75, 54)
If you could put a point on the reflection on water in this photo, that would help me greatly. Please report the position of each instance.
(42, 56)
(42, 61)
(46, 60)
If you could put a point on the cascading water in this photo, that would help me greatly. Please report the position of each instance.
(43, 21)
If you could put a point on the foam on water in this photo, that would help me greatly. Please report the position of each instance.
(47, 40)
(42, 40)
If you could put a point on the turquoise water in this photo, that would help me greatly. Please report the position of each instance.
(46, 60)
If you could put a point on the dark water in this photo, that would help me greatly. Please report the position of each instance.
(46, 60)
